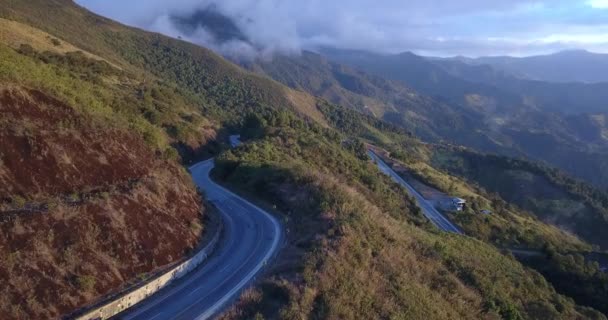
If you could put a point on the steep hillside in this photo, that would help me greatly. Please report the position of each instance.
(552, 197)
(357, 248)
(549, 194)
(554, 123)
(84, 209)
(92, 197)
(565, 260)
(384, 99)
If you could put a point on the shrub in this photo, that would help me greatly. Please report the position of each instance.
(86, 283)
(26, 50)
(19, 201)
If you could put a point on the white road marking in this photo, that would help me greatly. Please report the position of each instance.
(224, 268)
(195, 290)
(219, 304)
(158, 314)
(215, 192)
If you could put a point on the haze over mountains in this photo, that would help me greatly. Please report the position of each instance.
(484, 103)
(563, 66)
(477, 106)
(99, 121)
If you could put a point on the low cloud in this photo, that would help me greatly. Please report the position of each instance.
(434, 27)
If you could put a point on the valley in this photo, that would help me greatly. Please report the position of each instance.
(100, 124)
(445, 101)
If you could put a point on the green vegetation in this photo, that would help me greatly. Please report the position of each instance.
(551, 196)
(358, 246)
(355, 124)
(575, 276)
(508, 226)
(547, 193)
(111, 96)
(361, 252)
(86, 283)
(77, 62)
(311, 145)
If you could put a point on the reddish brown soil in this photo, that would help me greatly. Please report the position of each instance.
(47, 149)
(70, 255)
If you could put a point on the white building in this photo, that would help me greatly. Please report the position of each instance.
(450, 204)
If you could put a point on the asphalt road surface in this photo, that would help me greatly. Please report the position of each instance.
(427, 208)
(250, 239)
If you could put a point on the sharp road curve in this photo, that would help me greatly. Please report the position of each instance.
(427, 208)
(250, 239)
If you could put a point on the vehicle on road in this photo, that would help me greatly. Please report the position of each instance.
(428, 209)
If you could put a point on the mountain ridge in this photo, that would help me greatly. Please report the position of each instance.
(479, 116)
(303, 158)
(566, 66)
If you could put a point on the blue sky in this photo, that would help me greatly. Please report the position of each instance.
(430, 27)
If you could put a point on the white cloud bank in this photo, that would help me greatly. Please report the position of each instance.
(435, 27)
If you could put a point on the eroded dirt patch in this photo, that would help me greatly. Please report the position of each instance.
(131, 214)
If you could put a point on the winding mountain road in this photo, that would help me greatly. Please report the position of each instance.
(427, 208)
(251, 237)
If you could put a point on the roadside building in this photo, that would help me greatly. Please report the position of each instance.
(451, 204)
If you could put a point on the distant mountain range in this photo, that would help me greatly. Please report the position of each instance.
(455, 80)
(455, 102)
(565, 66)
(479, 103)
(99, 120)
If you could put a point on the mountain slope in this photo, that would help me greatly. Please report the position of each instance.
(384, 99)
(475, 106)
(85, 208)
(357, 246)
(552, 196)
(574, 66)
(369, 257)
(568, 98)
(454, 79)
(92, 197)
(512, 116)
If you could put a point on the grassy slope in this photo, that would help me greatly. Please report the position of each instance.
(347, 208)
(220, 87)
(548, 194)
(367, 254)
(92, 197)
(477, 115)
(553, 198)
(78, 203)
(561, 253)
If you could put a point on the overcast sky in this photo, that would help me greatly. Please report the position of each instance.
(428, 27)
